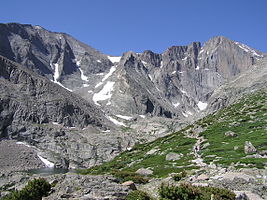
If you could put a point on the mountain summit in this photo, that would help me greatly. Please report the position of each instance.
(64, 104)
(174, 84)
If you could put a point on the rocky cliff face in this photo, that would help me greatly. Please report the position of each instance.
(57, 56)
(68, 129)
(37, 107)
(174, 84)
(250, 81)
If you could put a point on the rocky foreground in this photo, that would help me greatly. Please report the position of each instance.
(248, 184)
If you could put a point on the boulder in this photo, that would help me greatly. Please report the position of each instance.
(143, 171)
(230, 134)
(202, 177)
(249, 148)
(130, 184)
(263, 153)
(152, 151)
(173, 156)
(247, 195)
(240, 195)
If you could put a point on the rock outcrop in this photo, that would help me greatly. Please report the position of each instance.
(174, 84)
(249, 148)
(41, 113)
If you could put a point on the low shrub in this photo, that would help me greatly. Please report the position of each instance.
(138, 195)
(34, 190)
(178, 177)
(189, 192)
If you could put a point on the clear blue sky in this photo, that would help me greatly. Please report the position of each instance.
(116, 26)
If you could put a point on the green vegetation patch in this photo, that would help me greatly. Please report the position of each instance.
(247, 119)
(138, 195)
(189, 192)
(34, 190)
(152, 156)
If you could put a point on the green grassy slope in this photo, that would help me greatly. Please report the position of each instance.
(247, 119)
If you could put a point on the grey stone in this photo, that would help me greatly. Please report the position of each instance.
(130, 184)
(263, 153)
(240, 195)
(145, 172)
(88, 187)
(31, 104)
(202, 177)
(247, 195)
(230, 134)
(152, 151)
(173, 156)
(249, 148)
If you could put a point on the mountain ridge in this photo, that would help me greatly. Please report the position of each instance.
(76, 107)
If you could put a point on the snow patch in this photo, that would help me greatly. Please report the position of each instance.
(202, 105)
(97, 85)
(38, 27)
(173, 72)
(201, 51)
(23, 143)
(142, 116)
(161, 64)
(124, 117)
(248, 49)
(62, 86)
(150, 77)
(83, 77)
(188, 113)
(78, 63)
(184, 114)
(144, 63)
(105, 93)
(99, 61)
(46, 162)
(56, 73)
(176, 104)
(85, 85)
(197, 68)
(55, 123)
(184, 92)
(90, 91)
(185, 58)
(116, 122)
(111, 71)
(114, 59)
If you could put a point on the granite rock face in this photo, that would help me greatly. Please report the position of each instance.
(28, 97)
(57, 56)
(73, 186)
(69, 130)
(71, 101)
(174, 84)
(249, 81)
